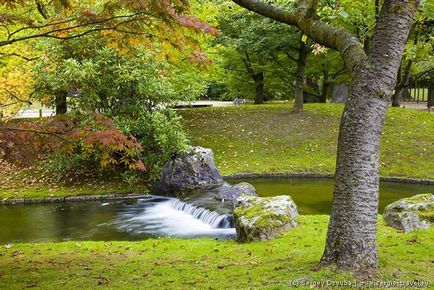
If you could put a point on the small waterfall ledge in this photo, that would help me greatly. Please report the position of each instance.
(170, 217)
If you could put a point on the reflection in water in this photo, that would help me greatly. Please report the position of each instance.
(200, 214)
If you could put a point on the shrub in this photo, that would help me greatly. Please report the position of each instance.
(160, 134)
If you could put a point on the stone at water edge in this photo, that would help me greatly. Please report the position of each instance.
(263, 218)
(231, 193)
(188, 172)
(409, 214)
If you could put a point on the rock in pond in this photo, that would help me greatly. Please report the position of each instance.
(188, 172)
(263, 218)
(231, 193)
(413, 213)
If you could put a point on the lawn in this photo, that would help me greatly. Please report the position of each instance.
(35, 182)
(258, 139)
(206, 263)
(269, 139)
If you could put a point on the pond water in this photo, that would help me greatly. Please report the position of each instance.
(196, 215)
(314, 195)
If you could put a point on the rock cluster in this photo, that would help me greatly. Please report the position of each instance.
(255, 218)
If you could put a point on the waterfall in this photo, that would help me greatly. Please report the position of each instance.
(171, 217)
(211, 218)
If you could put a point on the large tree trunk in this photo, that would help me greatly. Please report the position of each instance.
(299, 77)
(61, 105)
(259, 87)
(352, 233)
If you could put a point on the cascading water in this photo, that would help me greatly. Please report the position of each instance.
(211, 218)
(174, 218)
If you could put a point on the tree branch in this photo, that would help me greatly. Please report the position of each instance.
(308, 22)
(50, 34)
(18, 55)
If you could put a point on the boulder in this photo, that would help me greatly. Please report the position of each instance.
(231, 193)
(263, 218)
(409, 214)
(188, 172)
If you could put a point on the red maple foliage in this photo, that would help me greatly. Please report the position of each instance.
(23, 142)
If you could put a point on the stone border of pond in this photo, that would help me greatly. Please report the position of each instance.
(323, 175)
(109, 197)
(65, 199)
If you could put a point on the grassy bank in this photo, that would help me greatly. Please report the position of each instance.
(206, 263)
(269, 139)
(35, 182)
(258, 139)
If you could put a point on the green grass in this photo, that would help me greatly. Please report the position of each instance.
(269, 139)
(97, 188)
(34, 183)
(206, 263)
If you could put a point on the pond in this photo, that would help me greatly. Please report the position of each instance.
(197, 215)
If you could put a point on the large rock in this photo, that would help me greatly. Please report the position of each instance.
(263, 218)
(413, 213)
(188, 172)
(231, 193)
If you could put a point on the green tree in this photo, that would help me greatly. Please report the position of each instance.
(253, 50)
(352, 234)
(167, 24)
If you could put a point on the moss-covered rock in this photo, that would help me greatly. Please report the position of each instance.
(409, 214)
(263, 218)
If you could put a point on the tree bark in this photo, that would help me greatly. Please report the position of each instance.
(259, 87)
(300, 77)
(352, 233)
(61, 104)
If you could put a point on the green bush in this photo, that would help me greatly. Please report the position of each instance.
(160, 134)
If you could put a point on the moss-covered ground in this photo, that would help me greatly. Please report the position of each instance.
(269, 139)
(207, 263)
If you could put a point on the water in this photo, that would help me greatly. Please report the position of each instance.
(197, 215)
(173, 218)
(314, 195)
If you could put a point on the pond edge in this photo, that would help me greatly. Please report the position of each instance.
(323, 175)
(111, 197)
(78, 198)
